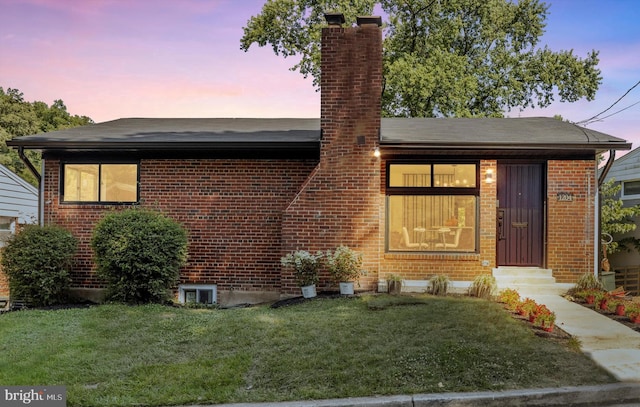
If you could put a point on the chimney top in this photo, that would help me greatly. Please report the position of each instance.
(362, 20)
(334, 19)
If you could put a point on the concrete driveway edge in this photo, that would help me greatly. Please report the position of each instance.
(604, 395)
(583, 396)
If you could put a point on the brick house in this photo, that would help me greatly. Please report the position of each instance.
(417, 197)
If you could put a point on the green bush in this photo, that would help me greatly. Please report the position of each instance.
(344, 264)
(139, 253)
(37, 261)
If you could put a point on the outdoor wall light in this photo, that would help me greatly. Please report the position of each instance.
(376, 152)
(488, 176)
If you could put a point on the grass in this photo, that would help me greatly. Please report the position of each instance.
(116, 355)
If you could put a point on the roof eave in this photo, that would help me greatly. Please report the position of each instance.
(164, 146)
(507, 147)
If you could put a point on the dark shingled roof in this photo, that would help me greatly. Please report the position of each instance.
(494, 133)
(180, 134)
(537, 133)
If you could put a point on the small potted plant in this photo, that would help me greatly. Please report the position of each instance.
(545, 318)
(632, 311)
(511, 299)
(345, 266)
(528, 308)
(600, 299)
(394, 284)
(588, 295)
(306, 267)
(616, 305)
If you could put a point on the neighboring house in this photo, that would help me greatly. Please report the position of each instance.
(18, 206)
(626, 171)
(460, 197)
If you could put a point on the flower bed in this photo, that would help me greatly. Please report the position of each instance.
(539, 315)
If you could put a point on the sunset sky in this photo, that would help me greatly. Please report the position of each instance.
(109, 59)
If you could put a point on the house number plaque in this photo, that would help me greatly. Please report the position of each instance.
(565, 197)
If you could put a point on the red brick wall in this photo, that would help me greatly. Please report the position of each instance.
(570, 231)
(340, 203)
(232, 210)
(4, 285)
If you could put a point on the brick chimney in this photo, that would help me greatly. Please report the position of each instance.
(341, 202)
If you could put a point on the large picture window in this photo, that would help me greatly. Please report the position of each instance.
(432, 207)
(100, 183)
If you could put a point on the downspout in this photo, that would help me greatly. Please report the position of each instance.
(598, 237)
(607, 167)
(36, 174)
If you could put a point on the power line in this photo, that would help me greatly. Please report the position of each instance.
(614, 113)
(595, 118)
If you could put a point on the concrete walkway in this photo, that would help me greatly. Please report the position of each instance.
(610, 344)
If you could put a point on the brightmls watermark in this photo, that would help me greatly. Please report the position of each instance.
(38, 396)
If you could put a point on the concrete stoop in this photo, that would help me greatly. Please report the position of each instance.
(533, 280)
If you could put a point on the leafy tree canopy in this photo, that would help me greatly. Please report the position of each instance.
(20, 118)
(442, 58)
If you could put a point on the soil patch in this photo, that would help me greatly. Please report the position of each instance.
(556, 333)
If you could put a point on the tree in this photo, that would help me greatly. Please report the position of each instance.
(20, 118)
(616, 219)
(442, 58)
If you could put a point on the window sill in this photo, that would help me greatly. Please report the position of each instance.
(468, 256)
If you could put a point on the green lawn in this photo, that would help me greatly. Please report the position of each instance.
(116, 355)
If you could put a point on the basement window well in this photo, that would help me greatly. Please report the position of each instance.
(197, 294)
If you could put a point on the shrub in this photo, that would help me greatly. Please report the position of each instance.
(139, 254)
(343, 264)
(306, 266)
(439, 285)
(483, 286)
(37, 261)
(588, 281)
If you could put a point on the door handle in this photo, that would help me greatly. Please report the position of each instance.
(500, 220)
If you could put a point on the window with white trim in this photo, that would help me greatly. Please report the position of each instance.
(205, 294)
(7, 229)
(631, 189)
(432, 206)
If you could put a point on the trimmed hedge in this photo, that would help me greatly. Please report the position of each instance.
(139, 253)
(37, 261)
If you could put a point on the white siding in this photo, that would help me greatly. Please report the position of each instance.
(626, 167)
(18, 198)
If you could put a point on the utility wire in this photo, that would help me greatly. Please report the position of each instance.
(614, 113)
(595, 118)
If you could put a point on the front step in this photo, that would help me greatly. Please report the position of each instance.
(532, 280)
